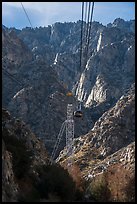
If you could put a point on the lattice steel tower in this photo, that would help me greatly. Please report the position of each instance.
(69, 125)
(69, 129)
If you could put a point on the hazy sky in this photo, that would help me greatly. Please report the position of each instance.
(47, 13)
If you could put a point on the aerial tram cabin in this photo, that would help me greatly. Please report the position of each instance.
(78, 113)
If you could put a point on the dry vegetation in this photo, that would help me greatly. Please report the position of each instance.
(117, 184)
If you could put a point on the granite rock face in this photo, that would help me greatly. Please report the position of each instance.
(109, 70)
(13, 49)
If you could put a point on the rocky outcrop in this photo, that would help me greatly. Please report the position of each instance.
(127, 26)
(13, 49)
(124, 157)
(116, 174)
(14, 54)
(9, 186)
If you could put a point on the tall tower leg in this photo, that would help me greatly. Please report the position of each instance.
(69, 131)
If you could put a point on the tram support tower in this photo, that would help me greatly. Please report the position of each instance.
(69, 129)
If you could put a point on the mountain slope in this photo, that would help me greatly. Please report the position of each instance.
(106, 153)
(114, 130)
(22, 150)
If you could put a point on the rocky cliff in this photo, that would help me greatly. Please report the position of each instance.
(106, 75)
(59, 45)
(13, 49)
(9, 186)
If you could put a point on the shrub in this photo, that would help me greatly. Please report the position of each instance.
(76, 174)
(98, 189)
(120, 183)
(130, 190)
(27, 191)
(55, 180)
